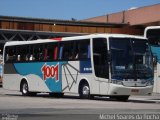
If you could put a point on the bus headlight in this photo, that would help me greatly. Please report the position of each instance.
(149, 83)
(119, 82)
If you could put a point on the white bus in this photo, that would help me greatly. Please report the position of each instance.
(153, 35)
(93, 65)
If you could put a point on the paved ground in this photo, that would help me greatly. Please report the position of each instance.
(42, 106)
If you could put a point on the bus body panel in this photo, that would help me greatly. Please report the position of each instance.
(153, 35)
(36, 84)
(12, 81)
(156, 88)
(38, 75)
(64, 76)
(69, 75)
(156, 52)
(121, 90)
(72, 73)
(104, 87)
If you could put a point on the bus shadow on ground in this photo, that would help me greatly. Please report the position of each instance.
(96, 98)
(145, 101)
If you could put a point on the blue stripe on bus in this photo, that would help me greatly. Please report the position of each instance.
(46, 71)
(85, 66)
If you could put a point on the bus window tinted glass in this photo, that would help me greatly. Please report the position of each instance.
(51, 52)
(38, 52)
(100, 57)
(22, 53)
(10, 54)
(67, 51)
(82, 49)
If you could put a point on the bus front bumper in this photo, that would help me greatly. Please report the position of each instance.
(115, 89)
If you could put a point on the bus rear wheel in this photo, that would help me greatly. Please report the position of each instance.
(24, 88)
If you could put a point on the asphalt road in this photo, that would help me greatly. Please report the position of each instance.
(13, 106)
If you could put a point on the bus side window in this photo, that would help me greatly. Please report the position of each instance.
(89, 52)
(55, 53)
(31, 55)
(52, 50)
(22, 53)
(38, 52)
(83, 49)
(35, 53)
(41, 53)
(68, 50)
(76, 50)
(7, 54)
(45, 53)
(60, 52)
(10, 54)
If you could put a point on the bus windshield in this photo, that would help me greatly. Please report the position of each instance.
(130, 59)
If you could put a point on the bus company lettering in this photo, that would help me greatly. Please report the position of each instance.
(50, 71)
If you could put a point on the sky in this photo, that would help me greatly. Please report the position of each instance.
(68, 9)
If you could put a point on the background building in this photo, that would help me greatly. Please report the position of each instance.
(134, 17)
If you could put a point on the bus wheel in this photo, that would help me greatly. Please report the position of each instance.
(84, 91)
(24, 88)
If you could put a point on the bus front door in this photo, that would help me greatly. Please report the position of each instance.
(100, 63)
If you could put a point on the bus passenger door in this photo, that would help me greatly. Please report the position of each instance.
(100, 64)
(156, 88)
(156, 63)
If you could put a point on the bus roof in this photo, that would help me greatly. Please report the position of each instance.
(148, 28)
(153, 27)
(72, 38)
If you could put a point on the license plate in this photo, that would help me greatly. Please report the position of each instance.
(135, 90)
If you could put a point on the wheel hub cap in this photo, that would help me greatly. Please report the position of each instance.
(85, 90)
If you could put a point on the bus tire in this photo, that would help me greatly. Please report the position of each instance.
(84, 91)
(24, 88)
